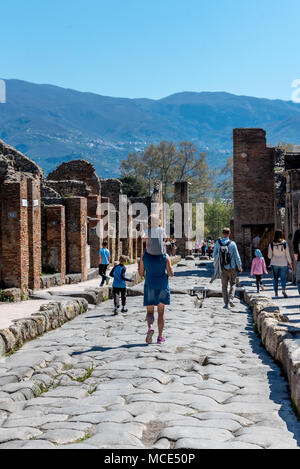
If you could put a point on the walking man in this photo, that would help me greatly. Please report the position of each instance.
(227, 255)
(104, 257)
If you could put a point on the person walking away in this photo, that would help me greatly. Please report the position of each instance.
(209, 249)
(119, 285)
(226, 253)
(104, 257)
(278, 252)
(203, 248)
(168, 246)
(296, 247)
(255, 244)
(258, 267)
(156, 270)
(173, 245)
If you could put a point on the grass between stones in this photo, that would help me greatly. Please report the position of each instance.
(84, 377)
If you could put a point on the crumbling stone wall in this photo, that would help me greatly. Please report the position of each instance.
(20, 212)
(77, 170)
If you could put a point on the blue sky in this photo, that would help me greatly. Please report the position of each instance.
(153, 48)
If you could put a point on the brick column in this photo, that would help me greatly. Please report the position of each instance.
(94, 241)
(14, 223)
(94, 238)
(127, 243)
(76, 228)
(56, 239)
(34, 233)
(181, 196)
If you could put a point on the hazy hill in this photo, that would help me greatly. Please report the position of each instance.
(52, 124)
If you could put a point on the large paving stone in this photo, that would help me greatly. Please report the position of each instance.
(20, 433)
(34, 421)
(38, 444)
(203, 443)
(78, 409)
(175, 433)
(62, 436)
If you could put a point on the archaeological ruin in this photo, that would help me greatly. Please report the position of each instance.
(53, 227)
(266, 191)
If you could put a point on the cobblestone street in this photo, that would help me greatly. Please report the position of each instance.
(95, 383)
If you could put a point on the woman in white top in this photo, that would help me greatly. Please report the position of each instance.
(278, 252)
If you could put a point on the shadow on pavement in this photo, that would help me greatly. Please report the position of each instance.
(104, 349)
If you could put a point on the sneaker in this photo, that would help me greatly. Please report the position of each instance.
(284, 294)
(149, 336)
(160, 339)
(225, 306)
(116, 310)
(124, 310)
(231, 303)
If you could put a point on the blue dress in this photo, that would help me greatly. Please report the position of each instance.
(156, 289)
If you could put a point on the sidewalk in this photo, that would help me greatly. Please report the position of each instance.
(12, 311)
(290, 306)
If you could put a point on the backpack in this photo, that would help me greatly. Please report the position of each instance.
(225, 254)
(280, 244)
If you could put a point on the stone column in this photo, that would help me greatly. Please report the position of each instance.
(14, 223)
(76, 228)
(56, 239)
(94, 238)
(34, 233)
(94, 241)
(181, 196)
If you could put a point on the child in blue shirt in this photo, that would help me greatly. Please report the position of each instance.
(103, 263)
(119, 284)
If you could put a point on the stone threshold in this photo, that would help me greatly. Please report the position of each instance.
(280, 339)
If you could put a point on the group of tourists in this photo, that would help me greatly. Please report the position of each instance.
(155, 266)
(205, 247)
(227, 263)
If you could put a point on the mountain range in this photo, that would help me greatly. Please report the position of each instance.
(51, 124)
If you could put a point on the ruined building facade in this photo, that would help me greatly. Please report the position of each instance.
(266, 191)
(52, 228)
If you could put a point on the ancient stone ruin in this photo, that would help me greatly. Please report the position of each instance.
(52, 228)
(266, 191)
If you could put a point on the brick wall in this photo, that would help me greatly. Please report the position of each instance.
(14, 225)
(56, 239)
(253, 181)
(34, 232)
(78, 170)
(76, 230)
(181, 196)
(112, 189)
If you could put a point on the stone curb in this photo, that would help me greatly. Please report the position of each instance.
(281, 340)
(49, 317)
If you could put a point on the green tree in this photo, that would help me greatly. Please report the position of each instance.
(134, 186)
(224, 188)
(217, 214)
(170, 164)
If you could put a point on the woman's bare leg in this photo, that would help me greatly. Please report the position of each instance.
(150, 316)
(161, 318)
